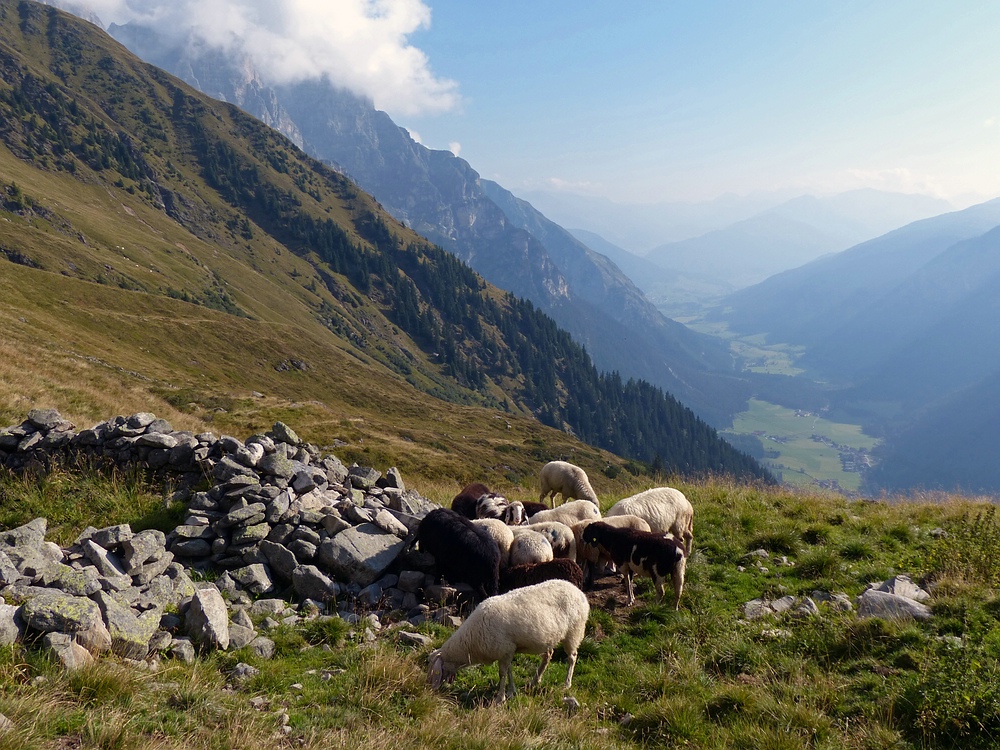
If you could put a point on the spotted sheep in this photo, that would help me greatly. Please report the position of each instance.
(647, 553)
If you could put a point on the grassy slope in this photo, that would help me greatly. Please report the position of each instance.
(647, 677)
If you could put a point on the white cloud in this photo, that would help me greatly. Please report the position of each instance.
(415, 136)
(455, 147)
(359, 44)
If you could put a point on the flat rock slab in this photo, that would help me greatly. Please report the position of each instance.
(888, 606)
(361, 554)
(56, 612)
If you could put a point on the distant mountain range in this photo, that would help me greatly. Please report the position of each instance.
(698, 271)
(638, 227)
(902, 329)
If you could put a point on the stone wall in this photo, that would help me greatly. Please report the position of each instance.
(280, 530)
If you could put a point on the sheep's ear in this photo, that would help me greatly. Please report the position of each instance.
(435, 672)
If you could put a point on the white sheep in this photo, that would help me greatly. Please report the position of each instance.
(590, 558)
(528, 547)
(560, 537)
(530, 620)
(560, 477)
(568, 513)
(501, 534)
(665, 509)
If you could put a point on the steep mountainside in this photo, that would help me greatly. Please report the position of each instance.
(950, 445)
(117, 176)
(442, 198)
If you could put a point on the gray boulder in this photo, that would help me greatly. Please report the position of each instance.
(875, 603)
(208, 619)
(129, 638)
(11, 624)
(360, 554)
(310, 582)
(142, 547)
(71, 654)
(903, 586)
(54, 611)
(281, 559)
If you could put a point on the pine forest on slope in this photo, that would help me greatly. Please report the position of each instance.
(78, 107)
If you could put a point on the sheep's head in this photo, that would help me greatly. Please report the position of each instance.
(591, 535)
(438, 672)
(513, 514)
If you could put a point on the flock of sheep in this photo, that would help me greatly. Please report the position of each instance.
(529, 564)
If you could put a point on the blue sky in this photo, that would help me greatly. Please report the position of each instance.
(688, 100)
(645, 101)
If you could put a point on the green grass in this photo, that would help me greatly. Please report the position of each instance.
(648, 676)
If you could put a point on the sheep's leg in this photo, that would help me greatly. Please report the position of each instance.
(546, 658)
(629, 592)
(660, 590)
(569, 673)
(506, 686)
(678, 577)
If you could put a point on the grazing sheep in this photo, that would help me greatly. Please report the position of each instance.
(560, 477)
(492, 505)
(501, 534)
(462, 550)
(477, 501)
(529, 547)
(531, 620)
(528, 575)
(591, 558)
(665, 509)
(560, 536)
(646, 552)
(568, 513)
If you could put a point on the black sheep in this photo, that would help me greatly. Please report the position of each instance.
(527, 575)
(462, 550)
(645, 552)
(467, 501)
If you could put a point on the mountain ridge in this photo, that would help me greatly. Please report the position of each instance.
(118, 174)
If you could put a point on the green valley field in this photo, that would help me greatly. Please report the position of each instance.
(805, 450)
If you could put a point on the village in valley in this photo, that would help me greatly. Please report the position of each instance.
(827, 455)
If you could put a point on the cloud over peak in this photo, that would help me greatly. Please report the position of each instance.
(362, 45)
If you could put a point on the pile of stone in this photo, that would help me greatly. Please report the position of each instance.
(285, 532)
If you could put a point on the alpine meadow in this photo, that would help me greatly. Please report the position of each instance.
(217, 345)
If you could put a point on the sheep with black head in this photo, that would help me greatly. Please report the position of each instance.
(644, 552)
